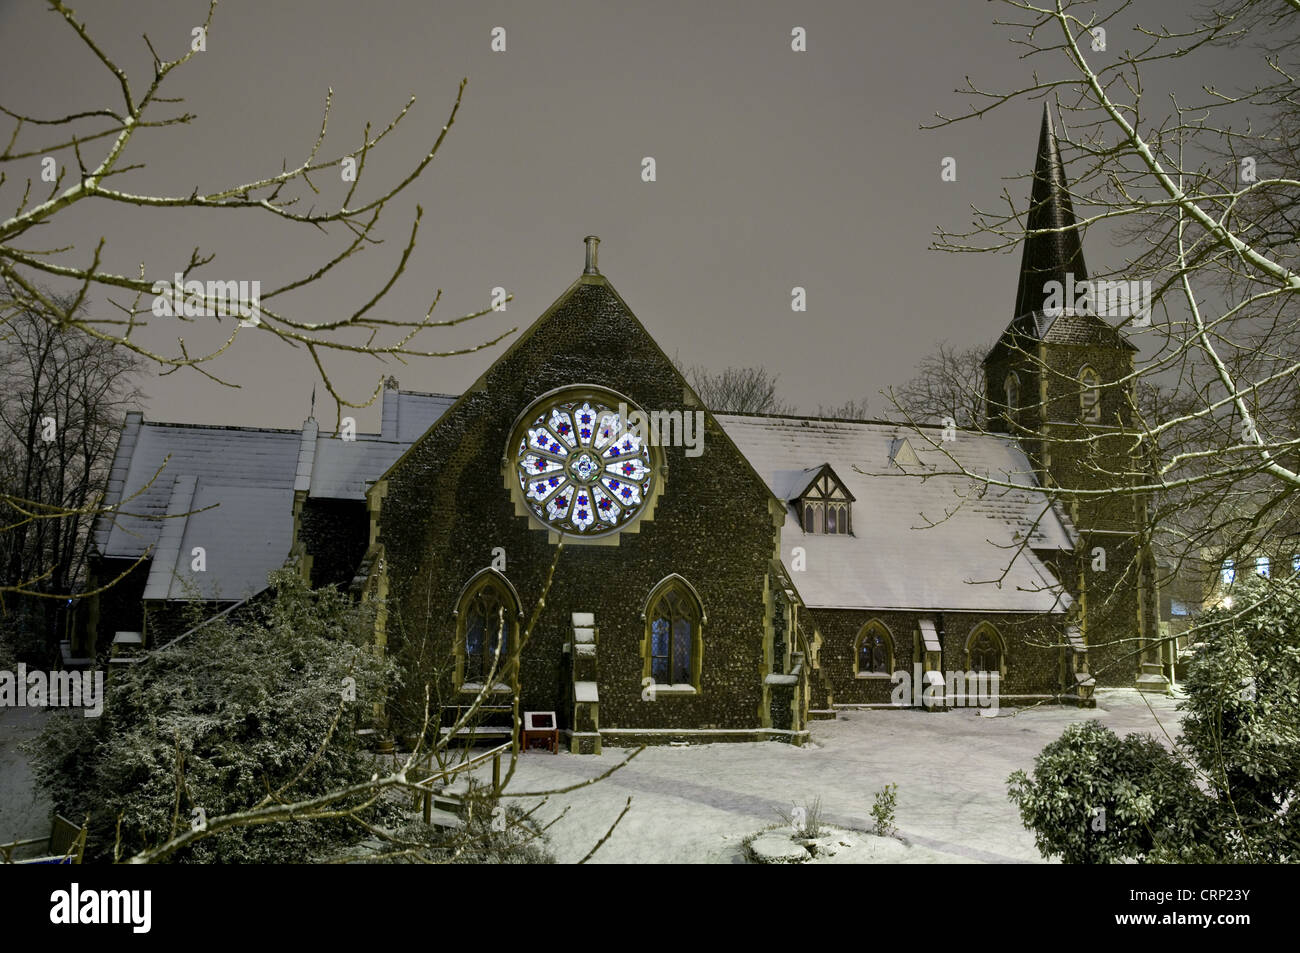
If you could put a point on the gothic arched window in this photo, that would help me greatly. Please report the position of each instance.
(874, 653)
(984, 651)
(1089, 396)
(674, 624)
(487, 618)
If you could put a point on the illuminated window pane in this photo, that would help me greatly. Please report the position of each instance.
(828, 517)
(681, 649)
(674, 626)
(483, 623)
(660, 629)
(873, 653)
(580, 468)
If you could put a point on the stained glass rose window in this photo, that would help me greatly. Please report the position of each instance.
(581, 471)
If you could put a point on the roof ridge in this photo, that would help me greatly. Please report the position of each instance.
(875, 422)
(427, 393)
(171, 423)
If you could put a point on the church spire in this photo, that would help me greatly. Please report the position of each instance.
(1050, 256)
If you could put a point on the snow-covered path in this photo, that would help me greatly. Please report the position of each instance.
(24, 811)
(695, 804)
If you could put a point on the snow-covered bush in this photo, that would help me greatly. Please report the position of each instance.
(1097, 798)
(267, 703)
(495, 831)
(1227, 794)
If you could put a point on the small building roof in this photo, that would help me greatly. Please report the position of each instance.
(230, 490)
(152, 456)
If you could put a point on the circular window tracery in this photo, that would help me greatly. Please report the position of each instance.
(581, 470)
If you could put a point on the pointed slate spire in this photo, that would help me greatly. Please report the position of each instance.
(1054, 255)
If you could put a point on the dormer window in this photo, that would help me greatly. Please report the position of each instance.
(824, 504)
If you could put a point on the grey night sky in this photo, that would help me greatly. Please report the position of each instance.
(775, 169)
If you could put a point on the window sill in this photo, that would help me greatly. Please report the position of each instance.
(678, 689)
(873, 675)
(473, 688)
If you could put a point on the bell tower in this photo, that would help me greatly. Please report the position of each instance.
(1061, 380)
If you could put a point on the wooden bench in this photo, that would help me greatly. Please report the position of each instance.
(493, 721)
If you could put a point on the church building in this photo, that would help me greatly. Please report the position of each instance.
(578, 527)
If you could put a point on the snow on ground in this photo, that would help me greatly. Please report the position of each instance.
(696, 804)
(784, 845)
(24, 812)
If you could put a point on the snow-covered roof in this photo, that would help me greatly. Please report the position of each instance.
(230, 490)
(791, 484)
(923, 537)
(343, 469)
(221, 456)
(408, 418)
(244, 532)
